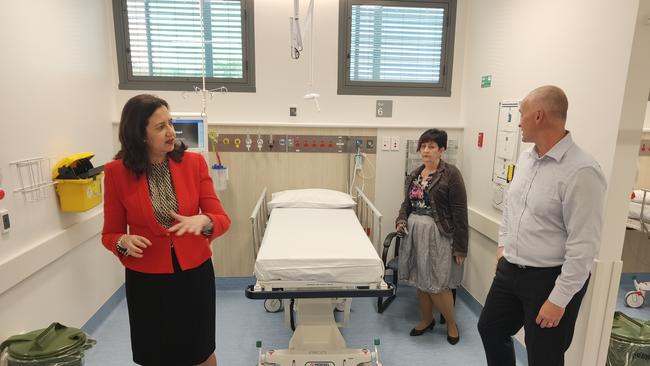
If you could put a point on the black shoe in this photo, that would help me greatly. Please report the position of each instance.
(453, 340)
(418, 332)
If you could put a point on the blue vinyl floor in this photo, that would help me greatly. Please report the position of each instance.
(241, 322)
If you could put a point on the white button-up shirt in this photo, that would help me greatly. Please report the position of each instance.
(553, 215)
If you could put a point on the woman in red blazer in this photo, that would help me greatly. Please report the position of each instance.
(160, 215)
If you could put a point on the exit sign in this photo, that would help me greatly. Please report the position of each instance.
(486, 81)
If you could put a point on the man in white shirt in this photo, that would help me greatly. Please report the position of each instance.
(549, 236)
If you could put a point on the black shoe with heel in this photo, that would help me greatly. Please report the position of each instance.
(453, 340)
(418, 332)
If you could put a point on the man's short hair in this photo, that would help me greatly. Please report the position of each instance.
(552, 99)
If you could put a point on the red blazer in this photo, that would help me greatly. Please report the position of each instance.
(127, 203)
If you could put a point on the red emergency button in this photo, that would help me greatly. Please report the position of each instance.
(2, 193)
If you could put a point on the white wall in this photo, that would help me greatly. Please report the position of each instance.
(282, 81)
(57, 98)
(528, 44)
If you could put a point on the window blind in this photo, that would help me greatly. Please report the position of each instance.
(165, 38)
(396, 44)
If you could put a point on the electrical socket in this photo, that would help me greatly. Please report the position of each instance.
(385, 143)
(394, 143)
(293, 111)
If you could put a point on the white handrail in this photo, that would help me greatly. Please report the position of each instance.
(257, 219)
(362, 213)
(258, 204)
(372, 207)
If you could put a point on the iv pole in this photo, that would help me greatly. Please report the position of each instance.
(297, 46)
(203, 91)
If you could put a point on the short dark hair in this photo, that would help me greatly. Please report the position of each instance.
(133, 132)
(435, 135)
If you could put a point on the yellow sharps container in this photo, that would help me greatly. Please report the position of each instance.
(78, 183)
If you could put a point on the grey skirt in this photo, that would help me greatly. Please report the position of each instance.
(426, 257)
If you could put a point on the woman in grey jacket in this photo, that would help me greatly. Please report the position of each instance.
(433, 218)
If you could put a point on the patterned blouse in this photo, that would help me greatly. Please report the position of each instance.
(418, 192)
(163, 196)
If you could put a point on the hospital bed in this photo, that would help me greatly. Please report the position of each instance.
(313, 253)
(638, 217)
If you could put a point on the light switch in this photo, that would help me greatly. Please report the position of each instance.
(5, 224)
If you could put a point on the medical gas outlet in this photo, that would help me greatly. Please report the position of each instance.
(249, 142)
(260, 143)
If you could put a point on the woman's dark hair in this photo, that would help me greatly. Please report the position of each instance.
(434, 135)
(133, 132)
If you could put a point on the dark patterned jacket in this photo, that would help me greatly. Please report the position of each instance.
(449, 204)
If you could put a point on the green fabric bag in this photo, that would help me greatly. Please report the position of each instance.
(629, 344)
(56, 345)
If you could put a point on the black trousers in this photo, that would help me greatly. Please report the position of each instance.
(514, 301)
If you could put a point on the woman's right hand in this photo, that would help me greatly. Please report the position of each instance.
(401, 228)
(135, 245)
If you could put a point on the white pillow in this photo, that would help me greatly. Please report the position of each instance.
(311, 198)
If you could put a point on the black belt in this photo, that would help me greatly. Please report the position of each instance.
(522, 266)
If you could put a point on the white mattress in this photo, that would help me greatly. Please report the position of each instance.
(317, 245)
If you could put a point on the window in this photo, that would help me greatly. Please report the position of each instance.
(162, 46)
(396, 47)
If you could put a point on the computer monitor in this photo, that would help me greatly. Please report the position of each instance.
(192, 129)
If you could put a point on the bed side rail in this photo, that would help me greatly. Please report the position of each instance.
(258, 219)
(642, 221)
(370, 218)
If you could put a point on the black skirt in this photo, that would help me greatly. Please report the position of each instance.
(172, 316)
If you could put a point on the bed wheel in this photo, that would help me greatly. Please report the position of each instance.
(634, 299)
(272, 305)
(340, 306)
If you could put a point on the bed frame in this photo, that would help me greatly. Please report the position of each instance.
(309, 306)
(640, 224)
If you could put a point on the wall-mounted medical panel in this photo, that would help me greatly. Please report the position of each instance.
(228, 142)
